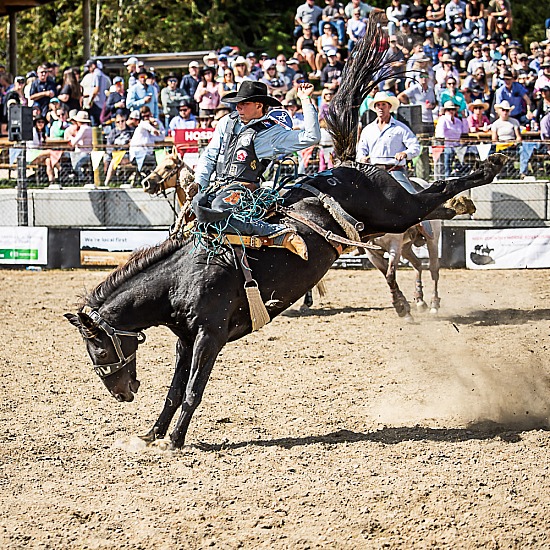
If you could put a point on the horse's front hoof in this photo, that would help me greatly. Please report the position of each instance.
(150, 436)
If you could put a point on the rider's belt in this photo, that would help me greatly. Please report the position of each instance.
(390, 167)
(250, 241)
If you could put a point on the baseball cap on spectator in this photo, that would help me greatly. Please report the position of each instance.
(269, 63)
(135, 114)
(264, 56)
(117, 79)
(239, 61)
(299, 77)
(31, 74)
(20, 79)
(523, 56)
(404, 22)
(222, 57)
(507, 74)
(194, 64)
(250, 54)
(458, 21)
(332, 52)
(55, 100)
(545, 89)
(292, 61)
(131, 61)
(225, 50)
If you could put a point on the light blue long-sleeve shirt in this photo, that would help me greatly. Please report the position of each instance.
(136, 98)
(274, 141)
(382, 146)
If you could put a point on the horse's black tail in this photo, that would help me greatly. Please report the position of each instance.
(364, 69)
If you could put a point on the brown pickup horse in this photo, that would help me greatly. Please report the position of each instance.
(203, 299)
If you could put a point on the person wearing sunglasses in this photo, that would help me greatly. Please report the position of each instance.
(170, 98)
(43, 89)
(185, 119)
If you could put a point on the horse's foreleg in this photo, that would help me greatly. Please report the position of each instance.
(175, 393)
(205, 351)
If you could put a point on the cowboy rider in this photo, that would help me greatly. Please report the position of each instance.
(242, 145)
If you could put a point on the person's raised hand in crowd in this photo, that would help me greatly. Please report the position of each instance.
(305, 90)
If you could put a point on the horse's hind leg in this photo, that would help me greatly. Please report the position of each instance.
(308, 300)
(388, 269)
(175, 393)
(433, 252)
(208, 344)
(416, 263)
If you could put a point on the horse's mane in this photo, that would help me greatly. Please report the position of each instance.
(364, 70)
(139, 260)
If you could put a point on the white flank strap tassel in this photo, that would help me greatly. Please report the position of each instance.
(258, 312)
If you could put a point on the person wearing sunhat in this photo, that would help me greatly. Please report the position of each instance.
(386, 142)
(81, 142)
(477, 119)
(449, 129)
(505, 128)
(242, 145)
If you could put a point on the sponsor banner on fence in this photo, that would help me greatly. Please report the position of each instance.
(508, 248)
(187, 140)
(24, 245)
(111, 248)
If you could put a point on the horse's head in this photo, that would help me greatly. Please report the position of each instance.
(113, 352)
(164, 176)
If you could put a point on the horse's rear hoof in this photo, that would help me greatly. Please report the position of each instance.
(434, 311)
(421, 305)
(164, 444)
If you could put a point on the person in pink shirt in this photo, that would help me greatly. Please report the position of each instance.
(81, 142)
(477, 120)
(449, 128)
(207, 94)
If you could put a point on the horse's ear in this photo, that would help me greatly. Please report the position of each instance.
(85, 321)
(73, 319)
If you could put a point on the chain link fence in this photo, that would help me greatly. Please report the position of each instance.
(520, 192)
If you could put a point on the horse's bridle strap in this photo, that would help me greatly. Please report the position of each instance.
(106, 370)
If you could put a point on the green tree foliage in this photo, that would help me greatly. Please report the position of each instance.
(54, 32)
(119, 27)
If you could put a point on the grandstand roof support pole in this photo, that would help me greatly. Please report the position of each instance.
(22, 198)
(12, 43)
(86, 29)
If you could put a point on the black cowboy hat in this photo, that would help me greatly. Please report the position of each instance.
(171, 76)
(251, 90)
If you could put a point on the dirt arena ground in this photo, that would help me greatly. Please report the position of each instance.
(345, 428)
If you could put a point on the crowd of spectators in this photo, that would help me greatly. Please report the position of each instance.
(458, 61)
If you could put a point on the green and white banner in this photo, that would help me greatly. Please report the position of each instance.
(24, 245)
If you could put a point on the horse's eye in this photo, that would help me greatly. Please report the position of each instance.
(102, 354)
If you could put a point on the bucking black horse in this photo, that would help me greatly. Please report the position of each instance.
(202, 299)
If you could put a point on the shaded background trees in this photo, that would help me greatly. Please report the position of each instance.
(120, 27)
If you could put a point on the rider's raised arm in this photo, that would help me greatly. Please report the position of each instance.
(291, 141)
